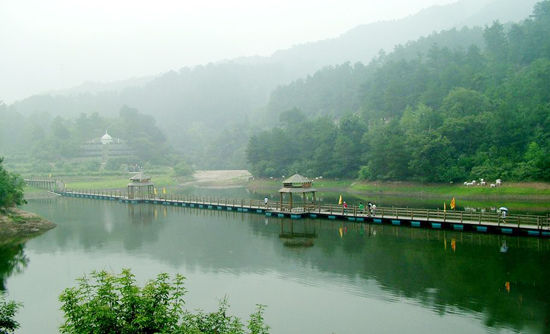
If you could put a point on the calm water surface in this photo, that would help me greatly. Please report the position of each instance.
(315, 276)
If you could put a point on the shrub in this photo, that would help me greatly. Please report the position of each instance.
(7, 314)
(106, 303)
(11, 188)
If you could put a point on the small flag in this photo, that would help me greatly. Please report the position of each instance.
(453, 204)
(444, 206)
(155, 190)
(340, 200)
(164, 190)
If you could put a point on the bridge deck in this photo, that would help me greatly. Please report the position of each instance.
(527, 225)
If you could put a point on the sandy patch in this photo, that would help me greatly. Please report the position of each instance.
(219, 178)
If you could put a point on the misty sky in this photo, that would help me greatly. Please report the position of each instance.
(57, 44)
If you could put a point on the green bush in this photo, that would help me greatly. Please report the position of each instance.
(106, 303)
(11, 188)
(7, 314)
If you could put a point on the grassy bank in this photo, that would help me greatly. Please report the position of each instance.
(532, 190)
(518, 197)
(507, 190)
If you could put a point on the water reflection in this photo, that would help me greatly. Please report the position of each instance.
(442, 271)
(142, 214)
(296, 235)
(12, 260)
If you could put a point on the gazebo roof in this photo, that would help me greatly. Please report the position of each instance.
(297, 190)
(297, 178)
(140, 184)
(140, 178)
(297, 184)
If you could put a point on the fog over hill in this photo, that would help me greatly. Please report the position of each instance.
(200, 106)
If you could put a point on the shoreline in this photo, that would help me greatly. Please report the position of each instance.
(18, 226)
(538, 192)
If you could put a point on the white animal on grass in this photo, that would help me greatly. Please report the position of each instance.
(493, 185)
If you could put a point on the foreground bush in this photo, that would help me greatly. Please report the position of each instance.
(7, 314)
(107, 303)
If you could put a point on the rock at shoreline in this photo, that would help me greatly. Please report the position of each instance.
(16, 225)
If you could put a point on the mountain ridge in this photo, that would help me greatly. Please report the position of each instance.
(305, 58)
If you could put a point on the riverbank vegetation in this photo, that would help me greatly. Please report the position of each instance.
(437, 116)
(15, 224)
(11, 189)
(107, 303)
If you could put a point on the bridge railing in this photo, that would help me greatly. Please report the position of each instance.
(352, 210)
(434, 215)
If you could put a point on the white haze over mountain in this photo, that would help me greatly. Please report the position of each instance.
(57, 44)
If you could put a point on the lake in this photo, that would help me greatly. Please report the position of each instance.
(315, 276)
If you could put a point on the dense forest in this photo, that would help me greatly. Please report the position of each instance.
(56, 144)
(208, 112)
(445, 114)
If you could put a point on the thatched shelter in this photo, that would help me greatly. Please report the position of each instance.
(297, 184)
(140, 186)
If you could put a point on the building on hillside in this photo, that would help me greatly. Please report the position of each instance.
(106, 147)
(106, 139)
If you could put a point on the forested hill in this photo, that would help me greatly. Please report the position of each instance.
(201, 109)
(441, 115)
(335, 90)
(363, 42)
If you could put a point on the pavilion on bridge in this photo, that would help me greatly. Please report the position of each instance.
(297, 184)
(141, 187)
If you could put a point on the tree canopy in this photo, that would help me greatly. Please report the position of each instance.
(107, 303)
(11, 188)
(445, 114)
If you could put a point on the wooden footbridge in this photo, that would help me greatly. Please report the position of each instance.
(50, 184)
(481, 222)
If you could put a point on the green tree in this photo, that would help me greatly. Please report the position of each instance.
(11, 188)
(106, 303)
(496, 41)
